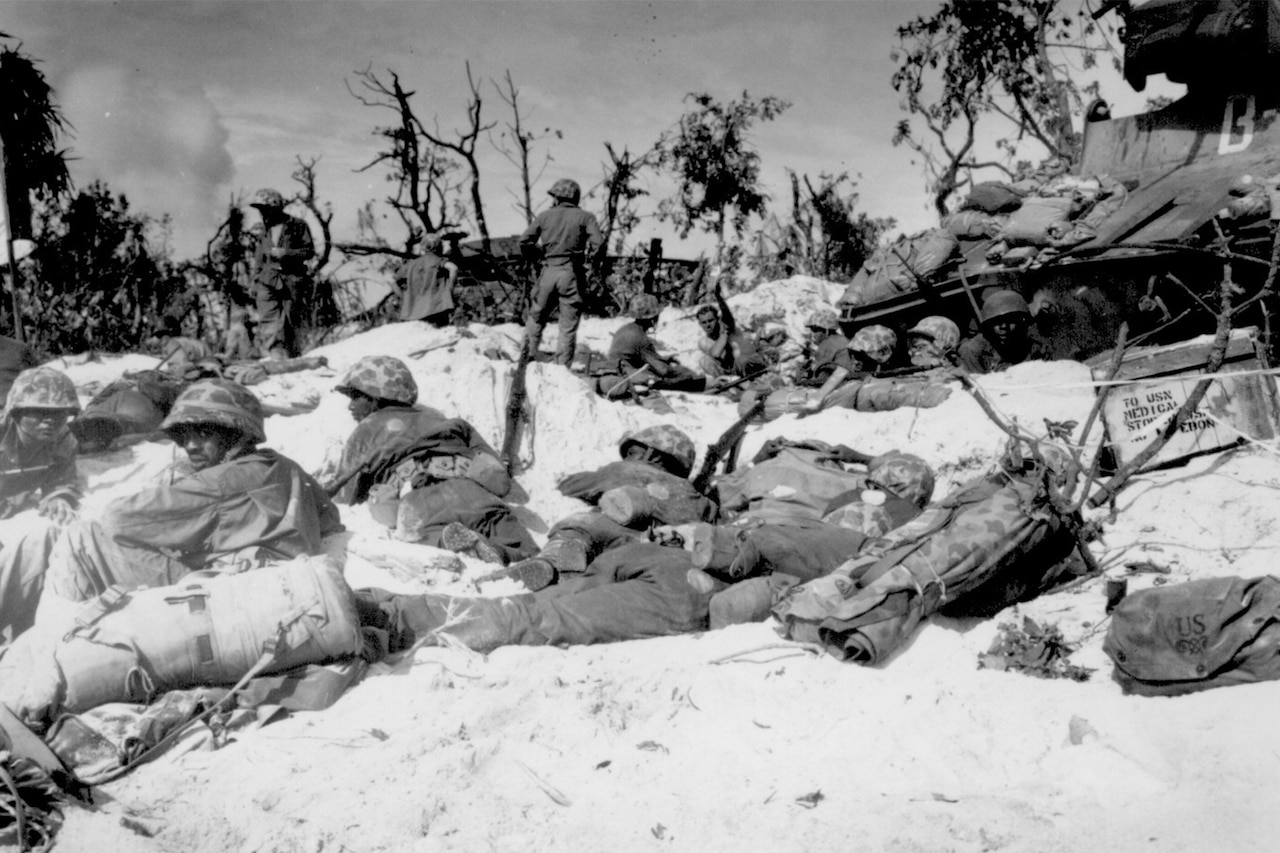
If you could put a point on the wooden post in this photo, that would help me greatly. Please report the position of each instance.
(8, 244)
(651, 265)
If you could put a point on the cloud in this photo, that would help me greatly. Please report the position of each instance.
(161, 143)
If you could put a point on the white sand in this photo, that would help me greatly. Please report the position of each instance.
(655, 745)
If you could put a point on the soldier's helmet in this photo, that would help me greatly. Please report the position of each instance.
(1003, 303)
(665, 439)
(903, 475)
(42, 388)
(876, 342)
(220, 402)
(381, 377)
(267, 198)
(645, 307)
(942, 331)
(823, 318)
(566, 189)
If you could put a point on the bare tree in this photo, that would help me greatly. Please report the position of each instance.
(516, 144)
(305, 175)
(1007, 64)
(421, 174)
(620, 174)
(465, 147)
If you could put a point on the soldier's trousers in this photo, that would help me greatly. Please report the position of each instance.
(632, 592)
(87, 561)
(25, 544)
(557, 285)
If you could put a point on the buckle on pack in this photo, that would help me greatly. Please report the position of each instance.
(91, 613)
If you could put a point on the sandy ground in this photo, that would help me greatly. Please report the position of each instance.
(735, 739)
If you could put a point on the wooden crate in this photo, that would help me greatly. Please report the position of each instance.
(1234, 407)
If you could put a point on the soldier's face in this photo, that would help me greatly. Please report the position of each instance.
(637, 452)
(42, 425)
(206, 445)
(710, 324)
(923, 351)
(1008, 329)
(361, 406)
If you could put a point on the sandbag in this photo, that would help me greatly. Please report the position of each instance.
(1171, 640)
(995, 542)
(898, 268)
(971, 224)
(1037, 221)
(992, 197)
(208, 629)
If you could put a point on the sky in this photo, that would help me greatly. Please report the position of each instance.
(183, 106)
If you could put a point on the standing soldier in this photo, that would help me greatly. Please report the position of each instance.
(569, 237)
(280, 267)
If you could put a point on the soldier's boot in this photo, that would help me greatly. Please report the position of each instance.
(569, 556)
(535, 573)
(460, 539)
(747, 601)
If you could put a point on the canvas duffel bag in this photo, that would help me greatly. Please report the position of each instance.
(1170, 640)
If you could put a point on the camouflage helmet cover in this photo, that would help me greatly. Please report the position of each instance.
(666, 439)
(903, 475)
(42, 388)
(1002, 303)
(876, 342)
(566, 189)
(870, 520)
(381, 377)
(942, 331)
(645, 307)
(267, 198)
(220, 402)
(823, 318)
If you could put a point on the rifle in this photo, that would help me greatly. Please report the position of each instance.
(515, 409)
(726, 443)
(333, 488)
(741, 380)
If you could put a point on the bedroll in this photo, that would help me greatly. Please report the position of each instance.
(208, 629)
(991, 544)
